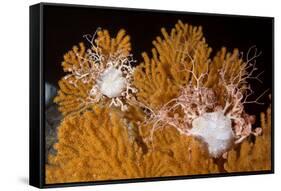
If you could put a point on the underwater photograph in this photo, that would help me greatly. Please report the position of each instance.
(144, 94)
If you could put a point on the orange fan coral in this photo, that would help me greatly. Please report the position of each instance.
(93, 146)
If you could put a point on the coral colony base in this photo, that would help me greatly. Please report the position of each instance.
(179, 112)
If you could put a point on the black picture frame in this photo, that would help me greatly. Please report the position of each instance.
(37, 93)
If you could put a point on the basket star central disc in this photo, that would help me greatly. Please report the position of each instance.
(111, 82)
(215, 130)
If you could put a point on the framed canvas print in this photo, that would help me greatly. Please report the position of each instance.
(127, 95)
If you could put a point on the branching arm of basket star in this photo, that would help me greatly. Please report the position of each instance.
(78, 89)
(253, 156)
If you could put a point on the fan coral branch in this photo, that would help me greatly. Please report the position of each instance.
(93, 146)
(159, 79)
(187, 152)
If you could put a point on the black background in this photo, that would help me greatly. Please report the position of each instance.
(64, 26)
